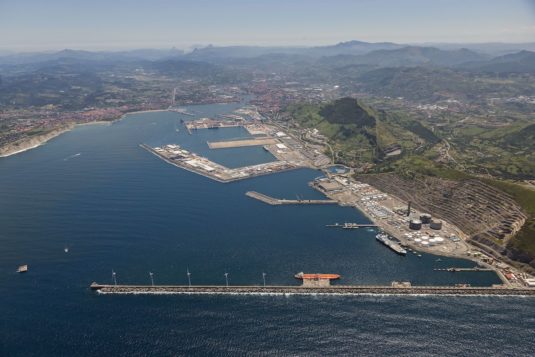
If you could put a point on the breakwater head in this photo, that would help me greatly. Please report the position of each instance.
(395, 289)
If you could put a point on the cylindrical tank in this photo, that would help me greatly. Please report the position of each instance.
(415, 224)
(425, 218)
(435, 224)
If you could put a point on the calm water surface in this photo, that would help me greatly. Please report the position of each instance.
(116, 206)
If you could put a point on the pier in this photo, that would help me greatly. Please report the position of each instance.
(275, 201)
(453, 269)
(351, 225)
(241, 143)
(209, 123)
(395, 289)
(183, 159)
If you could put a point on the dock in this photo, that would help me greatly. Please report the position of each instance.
(241, 143)
(276, 201)
(351, 225)
(210, 123)
(454, 269)
(217, 172)
(394, 289)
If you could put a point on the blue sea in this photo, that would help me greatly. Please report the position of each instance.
(117, 207)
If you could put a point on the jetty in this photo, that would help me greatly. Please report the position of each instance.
(260, 141)
(276, 201)
(176, 156)
(394, 289)
(351, 225)
(454, 269)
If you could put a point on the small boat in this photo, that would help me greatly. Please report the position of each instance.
(22, 269)
(66, 249)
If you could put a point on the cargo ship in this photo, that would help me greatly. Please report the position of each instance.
(303, 276)
(386, 240)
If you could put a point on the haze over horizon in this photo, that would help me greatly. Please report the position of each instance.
(121, 25)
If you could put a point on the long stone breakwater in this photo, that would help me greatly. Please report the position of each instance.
(302, 290)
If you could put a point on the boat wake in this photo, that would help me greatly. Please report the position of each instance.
(72, 156)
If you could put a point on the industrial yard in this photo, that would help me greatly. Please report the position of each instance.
(416, 230)
(394, 216)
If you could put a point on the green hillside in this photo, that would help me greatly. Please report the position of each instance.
(361, 134)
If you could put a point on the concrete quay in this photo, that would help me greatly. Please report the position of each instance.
(302, 290)
(204, 167)
(241, 143)
(275, 201)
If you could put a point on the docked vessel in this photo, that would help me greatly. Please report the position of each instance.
(303, 276)
(350, 226)
(390, 243)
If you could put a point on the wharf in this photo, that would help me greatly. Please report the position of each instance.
(313, 290)
(220, 173)
(208, 123)
(275, 201)
(351, 225)
(453, 269)
(241, 143)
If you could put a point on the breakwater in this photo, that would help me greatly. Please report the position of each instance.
(303, 290)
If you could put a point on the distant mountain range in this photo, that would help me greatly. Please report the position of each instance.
(521, 62)
(101, 56)
(351, 53)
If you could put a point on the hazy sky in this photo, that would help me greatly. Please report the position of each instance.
(115, 24)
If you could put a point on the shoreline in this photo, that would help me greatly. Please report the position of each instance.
(44, 138)
(32, 143)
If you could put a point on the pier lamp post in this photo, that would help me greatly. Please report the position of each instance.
(226, 279)
(114, 277)
(189, 277)
(151, 278)
(264, 278)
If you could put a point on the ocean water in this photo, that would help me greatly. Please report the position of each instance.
(118, 207)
